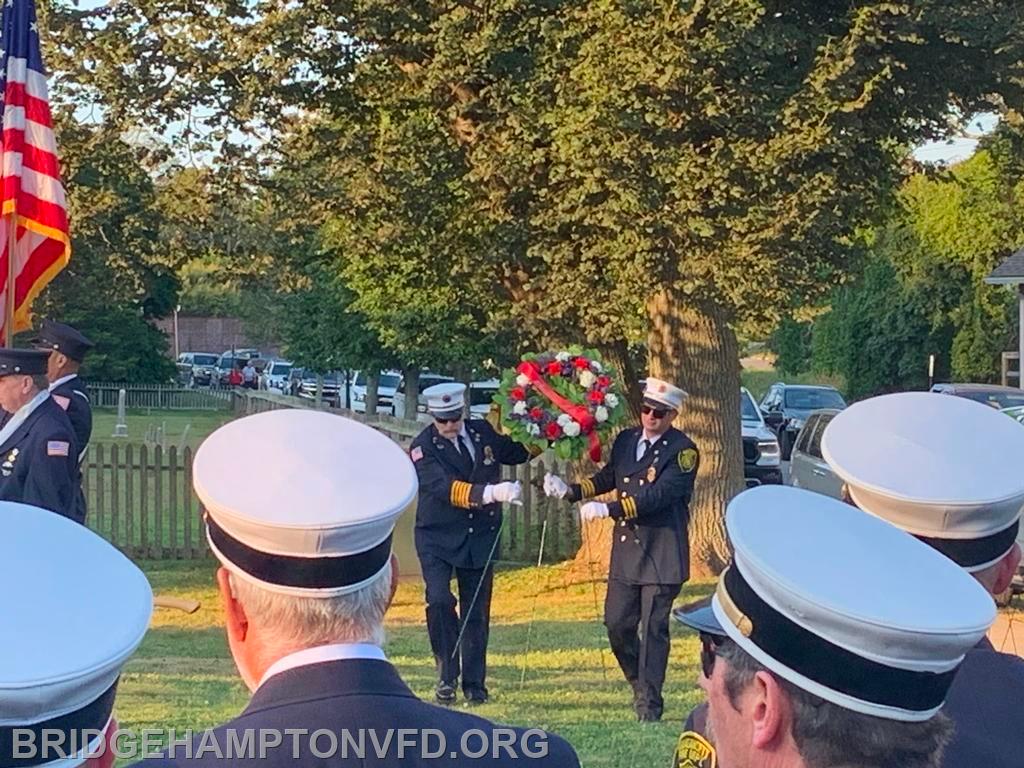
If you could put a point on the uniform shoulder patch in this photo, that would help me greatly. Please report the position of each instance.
(62, 401)
(416, 453)
(694, 751)
(57, 448)
(687, 459)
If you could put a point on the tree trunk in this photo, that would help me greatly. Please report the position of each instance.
(412, 392)
(372, 392)
(629, 382)
(693, 346)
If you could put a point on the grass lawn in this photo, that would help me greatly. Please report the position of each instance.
(199, 423)
(183, 676)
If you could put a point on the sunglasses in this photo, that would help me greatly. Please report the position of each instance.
(448, 420)
(658, 413)
(709, 645)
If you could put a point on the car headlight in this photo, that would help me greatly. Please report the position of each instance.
(770, 453)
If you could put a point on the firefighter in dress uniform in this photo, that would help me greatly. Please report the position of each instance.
(652, 468)
(458, 522)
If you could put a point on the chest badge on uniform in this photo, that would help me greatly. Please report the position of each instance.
(687, 459)
(694, 751)
(8, 466)
(488, 455)
(651, 474)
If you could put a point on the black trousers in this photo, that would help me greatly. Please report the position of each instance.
(443, 624)
(637, 616)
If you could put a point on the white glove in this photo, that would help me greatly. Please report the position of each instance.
(555, 486)
(593, 510)
(508, 493)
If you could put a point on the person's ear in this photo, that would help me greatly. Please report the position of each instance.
(771, 711)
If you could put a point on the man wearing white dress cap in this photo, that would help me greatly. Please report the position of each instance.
(949, 471)
(458, 529)
(832, 639)
(307, 574)
(74, 610)
(652, 469)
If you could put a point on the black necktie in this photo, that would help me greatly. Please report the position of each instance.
(645, 446)
(464, 451)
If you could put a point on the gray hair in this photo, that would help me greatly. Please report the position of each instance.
(829, 736)
(304, 622)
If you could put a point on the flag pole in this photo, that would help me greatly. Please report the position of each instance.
(12, 241)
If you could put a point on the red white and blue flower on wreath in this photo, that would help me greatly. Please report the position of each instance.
(566, 400)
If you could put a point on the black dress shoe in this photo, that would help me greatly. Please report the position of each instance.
(444, 693)
(475, 696)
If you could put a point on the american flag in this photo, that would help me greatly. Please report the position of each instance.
(32, 190)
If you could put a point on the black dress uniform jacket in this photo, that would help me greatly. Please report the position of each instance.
(39, 462)
(452, 522)
(73, 397)
(984, 703)
(650, 544)
(354, 696)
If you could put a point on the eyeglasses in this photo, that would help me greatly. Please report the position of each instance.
(658, 413)
(709, 645)
(448, 420)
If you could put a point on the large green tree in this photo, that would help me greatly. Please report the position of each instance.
(923, 292)
(116, 282)
(668, 170)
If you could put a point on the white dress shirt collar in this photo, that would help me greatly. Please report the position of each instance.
(322, 653)
(62, 380)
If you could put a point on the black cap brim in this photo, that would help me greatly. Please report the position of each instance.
(700, 617)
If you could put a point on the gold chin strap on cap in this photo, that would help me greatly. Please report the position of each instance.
(735, 616)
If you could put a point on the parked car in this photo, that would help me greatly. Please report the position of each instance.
(387, 385)
(762, 463)
(481, 395)
(195, 369)
(427, 379)
(989, 394)
(786, 407)
(231, 358)
(275, 376)
(1016, 413)
(807, 468)
(331, 387)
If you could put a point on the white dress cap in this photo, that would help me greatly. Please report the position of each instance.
(446, 398)
(303, 502)
(846, 606)
(74, 609)
(663, 393)
(944, 468)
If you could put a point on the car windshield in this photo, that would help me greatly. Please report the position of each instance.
(813, 399)
(205, 359)
(996, 399)
(748, 411)
(280, 369)
(481, 395)
(389, 380)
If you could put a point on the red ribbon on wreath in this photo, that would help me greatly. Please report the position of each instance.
(578, 413)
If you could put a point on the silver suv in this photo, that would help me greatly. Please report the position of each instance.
(807, 468)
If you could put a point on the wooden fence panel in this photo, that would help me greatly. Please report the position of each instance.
(140, 497)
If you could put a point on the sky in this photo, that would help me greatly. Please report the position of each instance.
(954, 150)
